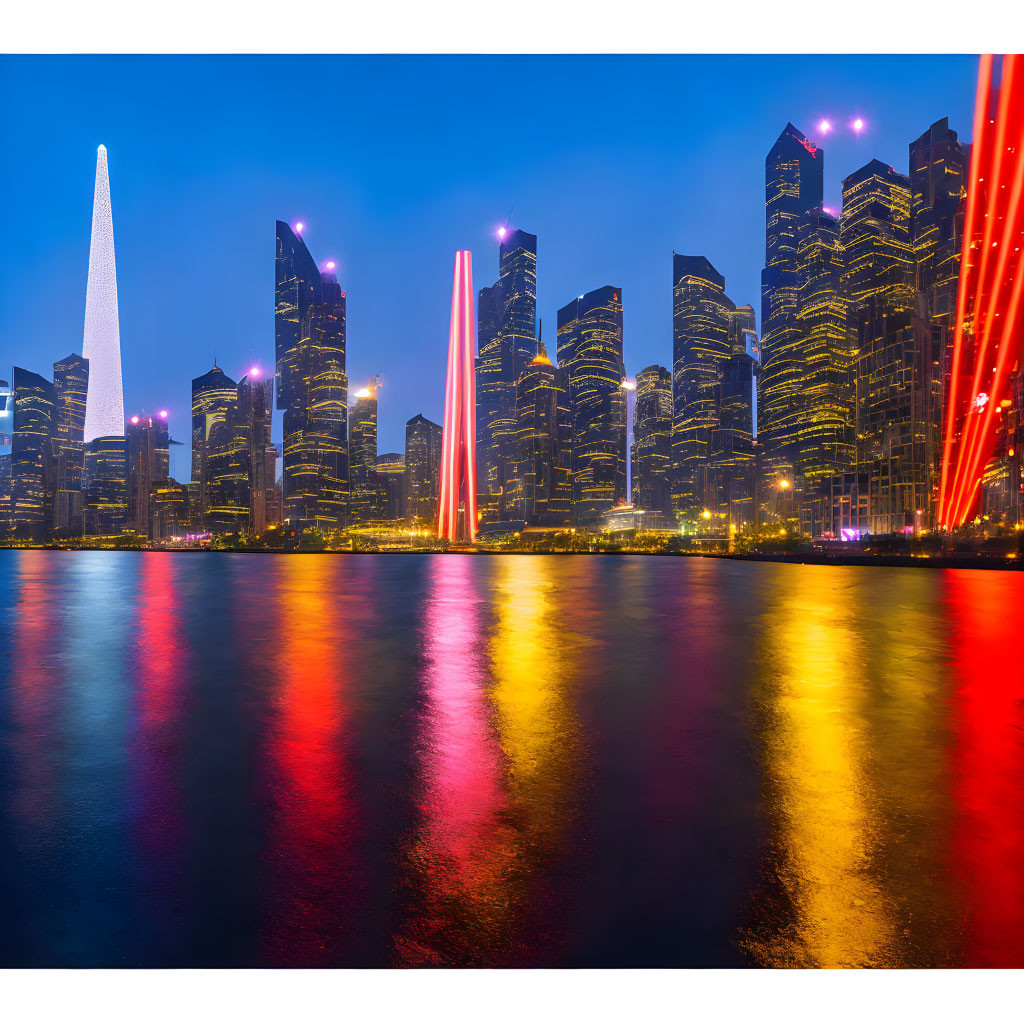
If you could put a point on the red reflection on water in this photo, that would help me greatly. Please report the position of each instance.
(989, 760)
(312, 825)
(32, 684)
(461, 851)
(160, 684)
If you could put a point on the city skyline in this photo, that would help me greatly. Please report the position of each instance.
(436, 216)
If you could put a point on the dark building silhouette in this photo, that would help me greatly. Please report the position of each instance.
(147, 459)
(71, 382)
(422, 469)
(32, 462)
(506, 338)
(652, 446)
(590, 351)
(541, 492)
(391, 473)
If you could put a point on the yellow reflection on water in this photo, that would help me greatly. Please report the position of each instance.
(830, 912)
(534, 667)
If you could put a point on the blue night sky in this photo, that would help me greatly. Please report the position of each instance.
(394, 163)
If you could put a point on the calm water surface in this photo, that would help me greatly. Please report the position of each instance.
(514, 761)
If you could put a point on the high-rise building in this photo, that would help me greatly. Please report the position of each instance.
(731, 468)
(367, 495)
(254, 419)
(541, 492)
(105, 496)
(391, 472)
(147, 458)
(898, 370)
(506, 330)
(214, 400)
(422, 469)
(817, 437)
(793, 186)
(312, 385)
(101, 344)
(71, 383)
(590, 351)
(938, 174)
(652, 446)
(701, 316)
(32, 464)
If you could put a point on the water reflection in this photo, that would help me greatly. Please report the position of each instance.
(822, 907)
(312, 824)
(989, 761)
(511, 761)
(461, 852)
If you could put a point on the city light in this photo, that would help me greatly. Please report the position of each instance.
(858, 125)
(502, 232)
(163, 414)
(824, 127)
(458, 447)
(134, 420)
(330, 264)
(299, 227)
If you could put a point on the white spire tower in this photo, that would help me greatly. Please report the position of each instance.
(104, 404)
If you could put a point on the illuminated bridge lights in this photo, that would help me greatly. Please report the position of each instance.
(456, 513)
(989, 333)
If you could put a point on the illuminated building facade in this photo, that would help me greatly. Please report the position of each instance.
(793, 186)
(898, 368)
(988, 342)
(214, 399)
(422, 469)
(391, 473)
(312, 385)
(254, 419)
(730, 491)
(819, 433)
(32, 463)
(71, 383)
(366, 489)
(590, 351)
(105, 496)
(507, 331)
(456, 506)
(652, 446)
(147, 457)
(541, 492)
(701, 314)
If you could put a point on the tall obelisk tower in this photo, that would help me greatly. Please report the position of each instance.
(101, 345)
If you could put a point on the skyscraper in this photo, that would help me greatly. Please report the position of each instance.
(146, 444)
(214, 399)
(652, 446)
(542, 477)
(590, 351)
(892, 379)
(254, 416)
(101, 344)
(71, 383)
(456, 507)
(506, 328)
(32, 470)
(104, 486)
(701, 313)
(366, 489)
(422, 469)
(793, 186)
(312, 386)
(391, 473)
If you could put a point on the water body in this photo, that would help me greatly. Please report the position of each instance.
(374, 760)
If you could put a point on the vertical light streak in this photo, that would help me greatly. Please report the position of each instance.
(458, 470)
(980, 119)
